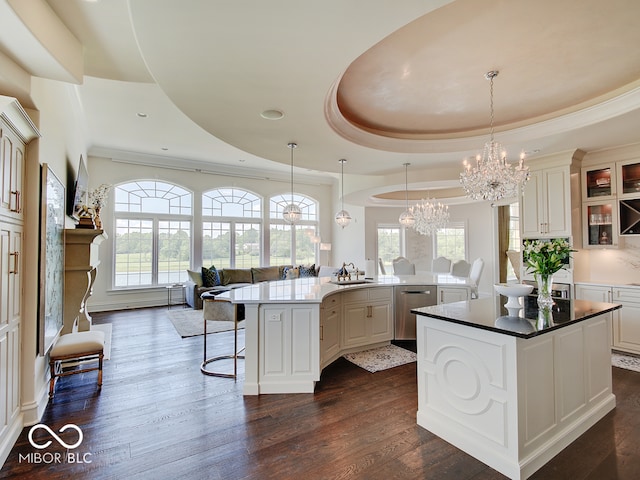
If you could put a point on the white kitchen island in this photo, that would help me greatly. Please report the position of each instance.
(513, 391)
(294, 328)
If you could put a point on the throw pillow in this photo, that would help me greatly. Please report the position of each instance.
(195, 277)
(291, 272)
(309, 271)
(236, 275)
(210, 277)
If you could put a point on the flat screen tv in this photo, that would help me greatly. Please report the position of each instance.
(80, 189)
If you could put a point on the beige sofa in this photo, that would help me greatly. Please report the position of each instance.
(230, 278)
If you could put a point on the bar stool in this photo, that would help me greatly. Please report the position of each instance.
(223, 310)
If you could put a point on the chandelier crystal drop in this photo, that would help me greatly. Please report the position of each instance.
(406, 219)
(342, 217)
(493, 177)
(429, 216)
(292, 213)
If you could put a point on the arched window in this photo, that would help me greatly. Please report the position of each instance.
(231, 228)
(293, 244)
(153, 233)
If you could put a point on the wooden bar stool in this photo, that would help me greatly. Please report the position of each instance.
(76, 347)
(222, 310)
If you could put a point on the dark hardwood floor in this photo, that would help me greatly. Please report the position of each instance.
(158, 417)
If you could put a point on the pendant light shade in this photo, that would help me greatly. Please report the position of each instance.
(342, 217)
(292, 212)
(407, 219)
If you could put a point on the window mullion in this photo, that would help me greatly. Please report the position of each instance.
(155, 257)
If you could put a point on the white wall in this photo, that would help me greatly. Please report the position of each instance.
(60, 147)
(105, 170)
(481, 234)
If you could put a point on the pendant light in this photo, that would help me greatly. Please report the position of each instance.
(406, 219)
(342, 217)
(493, 177)
(291, 212)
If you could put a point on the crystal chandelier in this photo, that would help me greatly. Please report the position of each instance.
(429, 216)
(292, 212)
(342, 217)
(406, 218)
(493, 178)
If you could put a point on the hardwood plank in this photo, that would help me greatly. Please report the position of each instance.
(158, 417)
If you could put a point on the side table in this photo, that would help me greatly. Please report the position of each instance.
(182, 298)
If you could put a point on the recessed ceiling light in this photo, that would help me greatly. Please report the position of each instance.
(142, 114)
(164, 148)
(272, 114)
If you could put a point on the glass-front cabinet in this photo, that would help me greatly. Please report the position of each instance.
(598, 182)
(600, 225)
(629, 179)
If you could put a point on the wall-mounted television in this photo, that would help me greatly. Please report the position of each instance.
(80, 189)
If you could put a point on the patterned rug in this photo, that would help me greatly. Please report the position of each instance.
(189, 323)
(627, 362)
(381, 358)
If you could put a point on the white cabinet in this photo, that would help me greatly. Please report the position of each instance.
(453, 294)
(12, 171)
(367, 316)
(330, 321)
(625, 321)
(546, 203)
(593, 293)
(16, 130)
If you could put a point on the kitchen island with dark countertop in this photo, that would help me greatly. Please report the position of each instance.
(513, 391)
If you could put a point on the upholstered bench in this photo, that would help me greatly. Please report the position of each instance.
(76, 347)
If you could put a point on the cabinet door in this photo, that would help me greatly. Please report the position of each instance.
(626, 328)
(532, 206)
(628, 176)
(12, 173)
(546, 207)
(329, 335)
(557, 202)
(355, 319)
(380, 322)
(600, 225)
(598, 182)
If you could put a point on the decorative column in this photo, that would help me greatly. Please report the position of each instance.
(81, 261)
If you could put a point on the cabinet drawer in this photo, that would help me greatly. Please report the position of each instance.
(333, 301)
(368, 294)
(626, 295)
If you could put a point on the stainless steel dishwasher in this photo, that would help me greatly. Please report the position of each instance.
(408, 297)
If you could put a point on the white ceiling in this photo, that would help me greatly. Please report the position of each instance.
(376, 82)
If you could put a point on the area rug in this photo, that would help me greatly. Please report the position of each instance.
(625, 361)
(381, 358)
(188, 323)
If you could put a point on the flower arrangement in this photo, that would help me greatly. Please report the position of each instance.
(546, 257)
(98, 197)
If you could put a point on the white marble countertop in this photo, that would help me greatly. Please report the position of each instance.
(314, 289)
